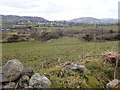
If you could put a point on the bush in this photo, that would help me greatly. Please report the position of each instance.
(109, 37)
(88, 37)
(33, 34)
(48, 35)
(117, 37)
(14, 38)
(111, 31)
(71, 33)
(5, 35)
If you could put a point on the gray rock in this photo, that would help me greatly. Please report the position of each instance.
(28, 87)
(24, 81)
(113, 83)
(39, 80)
(72, 66)
(10, 85)
(0, 86)
(11, 71)
(28, 71)
(24, 78)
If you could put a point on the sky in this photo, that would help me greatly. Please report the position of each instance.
(60, 9)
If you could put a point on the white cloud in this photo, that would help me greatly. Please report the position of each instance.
(60, 9)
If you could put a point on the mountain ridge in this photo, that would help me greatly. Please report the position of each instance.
(93, 20)
(16, 19)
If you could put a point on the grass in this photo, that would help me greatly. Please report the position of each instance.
(34, 54)
(112, 27)
(96, 76)
(66, 49)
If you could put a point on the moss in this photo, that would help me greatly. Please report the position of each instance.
(92, 81)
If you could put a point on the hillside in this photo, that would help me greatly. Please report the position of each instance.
(13, 19)
(93, 20)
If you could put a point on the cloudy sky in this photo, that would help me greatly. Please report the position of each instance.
(60, 9)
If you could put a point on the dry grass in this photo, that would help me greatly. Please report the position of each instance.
(112, 57)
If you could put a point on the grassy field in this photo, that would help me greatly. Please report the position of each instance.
(66, 49)
(56, 51)
(112, 27)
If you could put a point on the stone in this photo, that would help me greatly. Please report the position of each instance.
(24, 81)
(72, 66)
(10, 85)
(0, 86)
(23, 85)
(28, 87)
(39, 80)
(24, 78)
(113, 83)
(28, 71)
(11, 71)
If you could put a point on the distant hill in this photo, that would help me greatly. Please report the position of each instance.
(93, 20)
(111, 20)
(13, 19)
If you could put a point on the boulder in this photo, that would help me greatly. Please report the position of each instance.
(11, 71)
(39, 80)
(113, 83)
(10, 85)
(72, 66)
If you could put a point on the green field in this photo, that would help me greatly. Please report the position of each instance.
(112, 27)
(32, 53)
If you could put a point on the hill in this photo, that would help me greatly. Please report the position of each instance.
(93, 20)
(13, 19)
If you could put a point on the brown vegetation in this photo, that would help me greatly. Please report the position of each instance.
(112, 57)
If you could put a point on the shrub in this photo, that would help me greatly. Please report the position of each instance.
(109, 37)
(5, 35)
(111, 31)
(71, 33)
(48, 35)
(88, 37)
(117, 37)
(14, 38)
(33, 34)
